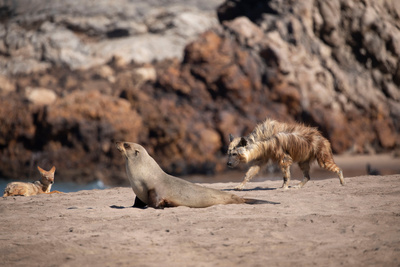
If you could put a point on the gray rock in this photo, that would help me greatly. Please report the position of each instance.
(80, 35)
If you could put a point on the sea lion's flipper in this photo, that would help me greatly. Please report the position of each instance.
(252, 201)
(158, 203)
(139, 203)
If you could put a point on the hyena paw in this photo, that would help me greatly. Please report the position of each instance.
(239, 187)
(298, 186)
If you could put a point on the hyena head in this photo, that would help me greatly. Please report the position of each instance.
(237, 151)
(47, 177)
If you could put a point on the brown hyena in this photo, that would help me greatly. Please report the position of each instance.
(283, 144)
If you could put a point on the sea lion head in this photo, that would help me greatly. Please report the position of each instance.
(130, 150)
(137, 158)
(236, 150)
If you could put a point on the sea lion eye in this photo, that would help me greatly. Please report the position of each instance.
(126, 146)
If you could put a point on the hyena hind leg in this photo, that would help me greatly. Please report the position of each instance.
(249, 175)
(340, 174)
(330, 165)
(305, 168)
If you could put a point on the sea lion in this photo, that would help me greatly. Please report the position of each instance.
(155, 188)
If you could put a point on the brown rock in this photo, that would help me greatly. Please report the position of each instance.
(6, 86)
(386, 133)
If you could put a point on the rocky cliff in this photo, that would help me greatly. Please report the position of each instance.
(179, 76)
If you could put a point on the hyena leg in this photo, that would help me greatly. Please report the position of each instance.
(249, 175)
(285, 164)
(305, 168)
(328, 164)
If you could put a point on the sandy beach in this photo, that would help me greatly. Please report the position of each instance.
(323, 224)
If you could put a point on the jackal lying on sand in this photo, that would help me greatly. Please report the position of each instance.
(284, 144)
(42, 186)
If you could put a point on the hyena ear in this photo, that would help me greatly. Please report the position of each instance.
(241, 151)
(243, 142)
(231, 137)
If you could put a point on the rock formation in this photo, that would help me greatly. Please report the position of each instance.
(179, 77)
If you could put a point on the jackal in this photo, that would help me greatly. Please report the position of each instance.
(42, 186)
(284, 144)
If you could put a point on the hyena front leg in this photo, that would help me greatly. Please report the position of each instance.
(249, 175)
(305, 167)
(285, 164)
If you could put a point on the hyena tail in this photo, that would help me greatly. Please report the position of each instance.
(325, 160)
(253, 201)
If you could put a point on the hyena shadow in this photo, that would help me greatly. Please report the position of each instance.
(258, 188)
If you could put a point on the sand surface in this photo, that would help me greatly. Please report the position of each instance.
(323, 224)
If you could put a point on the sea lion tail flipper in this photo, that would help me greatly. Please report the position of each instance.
(253, 201)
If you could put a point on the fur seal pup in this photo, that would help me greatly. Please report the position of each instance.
(155, 188)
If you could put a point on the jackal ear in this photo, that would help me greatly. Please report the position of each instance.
(53, 169)
(231, 137)
(243, 142)
(40, 169)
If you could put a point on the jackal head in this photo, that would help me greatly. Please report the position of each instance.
(237, 150)
(47, 177)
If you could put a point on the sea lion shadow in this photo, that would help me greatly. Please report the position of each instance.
(119, 207)
(252, 189)
(122, 207)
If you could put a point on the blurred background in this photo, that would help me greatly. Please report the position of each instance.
(178, 76)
